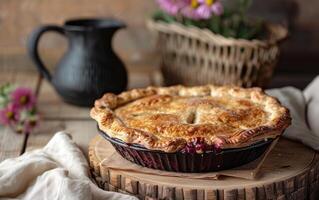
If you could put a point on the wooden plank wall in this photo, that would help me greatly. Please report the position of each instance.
(19, 17)
(135, 45)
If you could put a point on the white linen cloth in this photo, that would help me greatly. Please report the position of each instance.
(57, 171)
(312, 98)
(60, 170)
(304, 110)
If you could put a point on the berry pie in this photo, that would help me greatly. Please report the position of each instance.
(191, 119)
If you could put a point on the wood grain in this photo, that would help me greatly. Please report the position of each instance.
(52, 107)
(80, 131)
(284, 175)
(43, 133)
(20, 17)
(11, 143)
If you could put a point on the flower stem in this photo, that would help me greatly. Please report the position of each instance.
(37, 89)
(24, 146)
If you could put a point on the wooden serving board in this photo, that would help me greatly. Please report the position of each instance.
(290, 171)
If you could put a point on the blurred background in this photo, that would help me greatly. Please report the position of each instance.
(299, 62)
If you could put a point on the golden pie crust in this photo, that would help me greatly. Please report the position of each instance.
(167, 118)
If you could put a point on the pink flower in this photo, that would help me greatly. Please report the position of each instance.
(218, 8)
(191, 13)
(209, 7)
(202, 9)
(9, 115)
(172, 7)
(23, 98)
(30, 124)
(193, 9)
(18, 109)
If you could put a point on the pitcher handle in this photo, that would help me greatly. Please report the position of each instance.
(33, 47)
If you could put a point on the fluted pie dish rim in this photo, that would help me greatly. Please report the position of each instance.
(181, 162)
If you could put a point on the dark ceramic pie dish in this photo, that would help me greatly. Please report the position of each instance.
(214, 160)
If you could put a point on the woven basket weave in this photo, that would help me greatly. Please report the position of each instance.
(193, 56)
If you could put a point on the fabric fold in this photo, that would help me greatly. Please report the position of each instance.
(57, 171)
(295, 100)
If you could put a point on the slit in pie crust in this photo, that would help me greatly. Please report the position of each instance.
(168, 118)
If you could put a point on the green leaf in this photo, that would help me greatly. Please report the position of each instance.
(3, 101)
(214, 25)
(162, 16)
(244, 5)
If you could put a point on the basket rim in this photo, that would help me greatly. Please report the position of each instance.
(223, 151)
(207, 35)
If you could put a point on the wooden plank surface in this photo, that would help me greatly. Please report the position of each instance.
(81, 132)
(11, 144)
(55, 114)
(43, 133)
(51, 106)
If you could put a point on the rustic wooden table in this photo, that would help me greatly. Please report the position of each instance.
(55, 114)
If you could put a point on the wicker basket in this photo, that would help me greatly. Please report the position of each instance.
(193, 56)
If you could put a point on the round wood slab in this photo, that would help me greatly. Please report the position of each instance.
(290, 171)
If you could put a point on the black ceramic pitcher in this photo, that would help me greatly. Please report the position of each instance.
(90, 67)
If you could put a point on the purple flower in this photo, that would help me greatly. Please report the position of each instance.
(191, 13)
(30, 124)
(23, 98)
(172, 7)
(217, 8)
(18, 110)
(9, 115)
(193, 9)
(202, 9)
(209, 7)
